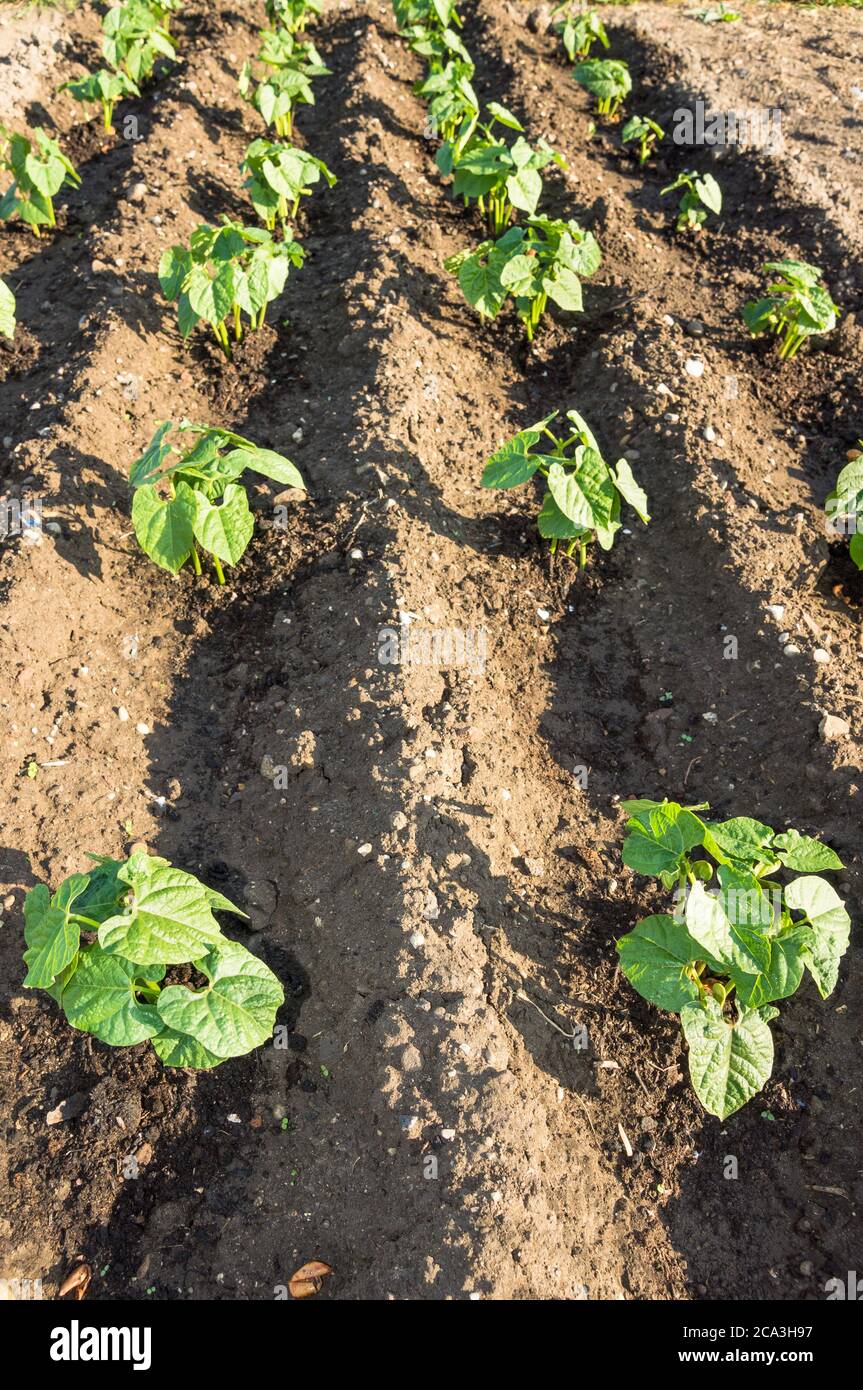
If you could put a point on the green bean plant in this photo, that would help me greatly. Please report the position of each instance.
(188, 495)
(278, 176)
(102, 947)
(134, 37)
(701, 195)
(607, 79)
(40, 169)
(432, 14)
(436, 46)
(451, 97)
(739, 939)
(643, 131)
(500, 178)
(583, 494)
(276, 96)
(103, 88)
(226, 272)
(545, 259)
(795, 307)
(293, 15)
(844, 505)
(579, 29)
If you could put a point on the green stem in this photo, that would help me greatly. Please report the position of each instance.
(238, 330)
(87, 921)
(220, 573)
(582, 554)
(108, 112)
(262, 316)
(196, 561)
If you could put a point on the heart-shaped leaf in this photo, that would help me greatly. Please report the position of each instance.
(729, 1063)
(236, 1012)
(101, 998)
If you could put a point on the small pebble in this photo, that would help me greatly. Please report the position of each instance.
(693, 366)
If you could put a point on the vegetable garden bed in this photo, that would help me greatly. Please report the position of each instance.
(399, 735)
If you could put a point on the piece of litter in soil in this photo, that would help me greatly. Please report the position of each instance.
(624, 1140)
(234, 1119)
(309, 1279)
(365, 850)
(68, 1109)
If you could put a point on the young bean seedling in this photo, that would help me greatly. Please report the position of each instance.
(102, 946)
(187, 495)
(750, 935)
(645, 132)
(499, 177)
(282, 49)
(583, 494)
(224, 273)
(134, 37)
(105, 89)
(579, 29)
(276, 96)
(7, 310)
(437, 46)
(452, 99)
(540, 261)
(278, 176)
(701, 195)
(431, 14)
(844, 505)
(40, 169)
(607, 79)
(293, 15)
(795, 307)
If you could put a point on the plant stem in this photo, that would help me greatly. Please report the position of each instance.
(87, 921)
(220, 573)
(238, 331)
(196, 561)
(582, 554)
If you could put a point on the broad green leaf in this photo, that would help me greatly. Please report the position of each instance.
(805, 855)
(174, 266)
(164, 528)
(224, 529)
(7, 310)
(51, 935)
(782, 975)
(728, 1063)
(659, 837)
(236, 1012)
(503, 115)
(180, 1050)
(709, 192)
(569, 497)
(524, 189)
(266, 462)
(102, 896)
(553, 524)
(168, 919)
(741, 839)
(729, 943)
(563, 288)
(825, 911)
(630, 490)
(211, 299)
(101, 999)
(655, 958)
(510, 466)
(148, 467)
(481, 285)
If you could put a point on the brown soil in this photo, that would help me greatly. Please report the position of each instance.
(493, 874)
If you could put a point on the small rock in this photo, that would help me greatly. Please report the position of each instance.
(417, 939)
(400, 821)
(137, 193)
(411, 1058)
(142, 729)
(268, 767)
(806, 1267)
(122, 714)
(431, 908)
(709, 433)
(821, 655)
(791, 650)
(693, 366)
(832, 728)
(695, 328)
(68, 1109)
(365, 850)
(778, 611)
